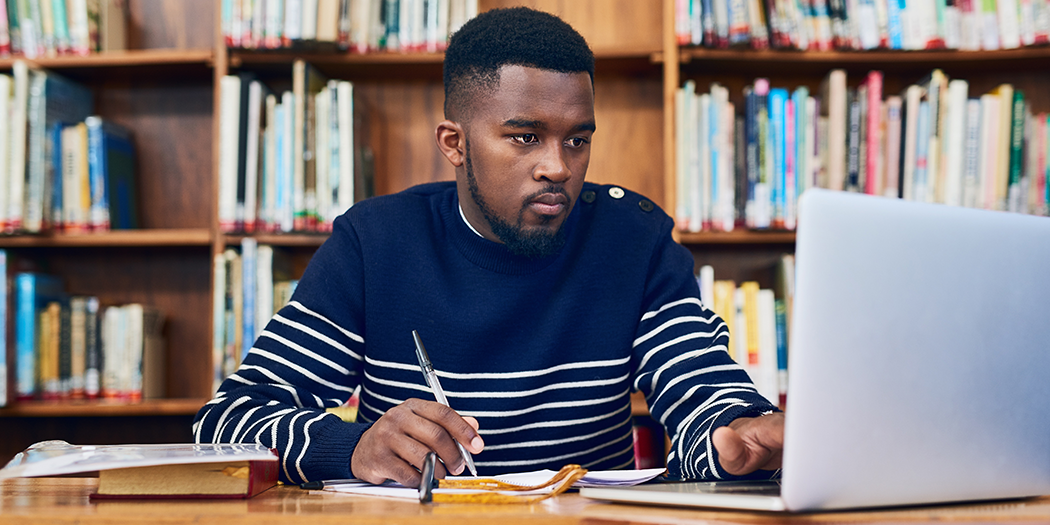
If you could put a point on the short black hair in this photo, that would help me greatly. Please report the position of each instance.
(516, 36)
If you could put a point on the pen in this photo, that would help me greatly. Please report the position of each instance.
(439, 394)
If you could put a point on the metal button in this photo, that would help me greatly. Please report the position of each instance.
(645, 205)
(588, 196)
(616, 192)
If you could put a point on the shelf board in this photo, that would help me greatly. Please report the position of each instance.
(412, 65)
(281, 239)
(736, 237)
(128, 58)
(114, 238)
(104, 408)
(808, 62)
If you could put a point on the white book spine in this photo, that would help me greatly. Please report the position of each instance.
(766, 379)
(971, 166)
(1009, 30)
(251, 171)
(955, 140)
(989, 147)
(230, 90)
(5, 143)
(19, 124)
(345, 101)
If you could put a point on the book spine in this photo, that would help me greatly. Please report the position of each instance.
(25, 336)
(99, 213)
(6, 393)
(92, 350)
(777, 123)
(229, 105)
(751, 154)
(853, 142)
(1017, 127)
(891, 185)
(921, 151)
(249, 251)
(874, 126)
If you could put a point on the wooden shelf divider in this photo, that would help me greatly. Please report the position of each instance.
(104, 408)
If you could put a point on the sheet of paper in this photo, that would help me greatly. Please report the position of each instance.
(595, 478)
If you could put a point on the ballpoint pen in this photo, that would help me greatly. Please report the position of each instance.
(439, 394)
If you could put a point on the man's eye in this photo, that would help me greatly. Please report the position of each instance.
(577, 142)
(527, 138)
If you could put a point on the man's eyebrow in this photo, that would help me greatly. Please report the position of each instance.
(539, 124)
(524, 123)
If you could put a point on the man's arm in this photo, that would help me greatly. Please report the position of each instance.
(690, 382)
(307, 359)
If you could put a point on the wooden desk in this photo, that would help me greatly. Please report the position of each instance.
(65, 500)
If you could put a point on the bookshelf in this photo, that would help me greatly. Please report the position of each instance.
(166, 89)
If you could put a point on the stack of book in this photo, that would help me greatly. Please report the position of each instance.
(360, 26)
(821, 25)
(291, 161)
(37, 28)
(61, 167)
(935, 142)
(71, 347)
(759, 320)
(250, 286)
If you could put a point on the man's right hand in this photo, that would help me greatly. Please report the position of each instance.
(395, 445)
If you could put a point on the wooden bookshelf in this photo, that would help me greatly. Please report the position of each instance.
(165, 89)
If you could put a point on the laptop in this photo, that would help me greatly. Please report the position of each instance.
(919, 366)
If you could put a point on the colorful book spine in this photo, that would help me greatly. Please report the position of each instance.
(777, 114)
(34, 290)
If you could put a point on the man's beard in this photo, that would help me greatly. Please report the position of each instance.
(534, 244)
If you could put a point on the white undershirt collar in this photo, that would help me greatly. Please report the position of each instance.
(464, 216)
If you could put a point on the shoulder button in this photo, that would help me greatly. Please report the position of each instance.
(616, 192)
(646, 205)
(588, 196)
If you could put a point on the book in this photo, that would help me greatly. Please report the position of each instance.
(52, 98)
(835, 109)
(155, 471)
(894, 114)
(6, 356)
(111, 171)
(955, 142)
(34, 291)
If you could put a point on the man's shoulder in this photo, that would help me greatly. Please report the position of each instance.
(416, 197)
(612, 204)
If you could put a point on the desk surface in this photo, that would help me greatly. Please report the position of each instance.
(65, 500)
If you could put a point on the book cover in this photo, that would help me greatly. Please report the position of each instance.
(230, 479)
(155, 471)
(252, 136)
(33, 292)
(74, 170)
(229, 137)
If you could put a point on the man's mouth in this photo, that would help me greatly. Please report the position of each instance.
(549, 203)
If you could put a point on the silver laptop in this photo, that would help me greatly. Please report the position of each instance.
(919, 362)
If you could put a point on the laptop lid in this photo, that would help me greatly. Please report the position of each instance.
(919, 360)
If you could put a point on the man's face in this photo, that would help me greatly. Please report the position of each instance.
(527, 150)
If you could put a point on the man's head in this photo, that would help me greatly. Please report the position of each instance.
(520, 109)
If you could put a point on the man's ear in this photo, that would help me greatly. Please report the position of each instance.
(451, 140)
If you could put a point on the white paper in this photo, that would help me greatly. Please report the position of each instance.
(594, 478)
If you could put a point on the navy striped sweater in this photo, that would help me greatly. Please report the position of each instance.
(543, 352)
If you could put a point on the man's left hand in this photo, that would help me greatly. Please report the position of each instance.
(748, 444)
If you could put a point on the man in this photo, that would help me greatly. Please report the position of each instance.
(542, 300)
